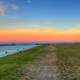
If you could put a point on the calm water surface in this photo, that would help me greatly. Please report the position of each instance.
(8, 50)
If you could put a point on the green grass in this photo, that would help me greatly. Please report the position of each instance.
(11, 67)
(69, 61)
(68, 55)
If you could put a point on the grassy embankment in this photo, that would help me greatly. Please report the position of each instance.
(69, 61)
(11, 66)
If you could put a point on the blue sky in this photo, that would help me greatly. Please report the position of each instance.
(39, 20)
(59, 13)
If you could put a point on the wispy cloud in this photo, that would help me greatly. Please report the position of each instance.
(4, 7)
(14, 7)
(35, 26)
(29, 1)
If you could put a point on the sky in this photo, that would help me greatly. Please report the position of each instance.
(39, 21)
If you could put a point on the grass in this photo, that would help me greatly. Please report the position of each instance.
(11, 66)
(68, 55)
(69, 61)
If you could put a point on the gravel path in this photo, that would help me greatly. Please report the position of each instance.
(44, 67)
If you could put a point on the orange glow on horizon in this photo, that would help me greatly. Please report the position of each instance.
(33, 35)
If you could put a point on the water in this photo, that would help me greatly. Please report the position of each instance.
(8, 50)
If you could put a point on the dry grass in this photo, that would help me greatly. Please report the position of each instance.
(69, 61)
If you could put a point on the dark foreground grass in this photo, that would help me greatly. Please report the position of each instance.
(69, 61)
(11, 67)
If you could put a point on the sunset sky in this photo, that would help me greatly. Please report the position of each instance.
(39, 21)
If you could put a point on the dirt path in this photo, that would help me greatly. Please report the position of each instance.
(44, 67)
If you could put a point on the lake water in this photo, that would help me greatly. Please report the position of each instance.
(8, 50)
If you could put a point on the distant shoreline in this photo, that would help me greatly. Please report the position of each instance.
(37, 43)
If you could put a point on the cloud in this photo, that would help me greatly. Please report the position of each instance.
(3, 8)
(35, 25)
(29, 1)
(14, 7)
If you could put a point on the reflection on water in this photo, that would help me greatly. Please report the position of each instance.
(8, 50)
